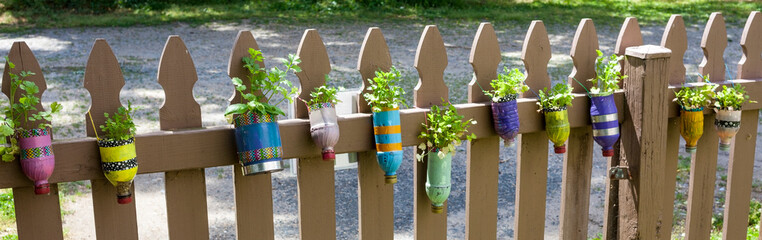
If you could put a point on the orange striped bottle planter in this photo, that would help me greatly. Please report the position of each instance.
(386, 130)
(691, 127)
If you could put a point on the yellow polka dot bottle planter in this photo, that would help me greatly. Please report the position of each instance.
(36, 157)
(691, 127)
(258, 143)
(727, 123)
(324, 128)
(557, 127)
(120, 164)
(438, 179)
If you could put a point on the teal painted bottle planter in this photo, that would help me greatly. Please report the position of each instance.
(438, 180)
(386, 129)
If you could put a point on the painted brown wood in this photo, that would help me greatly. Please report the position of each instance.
(611, 201)
(104, 81)
(186, 189)
(430, 61)
(253, 194)
(315, 178)
(629, 36)
(740, 172)
(578, 162)
(375, 197)
(750, 65)
(698, 223)
(37, 216)
(675, 39)
(713, 43)
(644, 138)
(532, 152)
(483, 154)
(78, 159)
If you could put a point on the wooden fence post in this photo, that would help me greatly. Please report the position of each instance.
(375, 197)
(37, 216)
(532, 152)
(674, 39)
(186, 189)
(644, 137)
(104, 81)
(742, 153)
(253, 194)
(483, 154)
(315, 177)
(430, 61)
(578, 161)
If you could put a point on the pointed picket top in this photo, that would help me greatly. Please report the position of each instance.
(23, 58)
(315, 66)
(430, 61)
(675, 38)
(243, 42)
(484, 58)
(104, 81)
(536, 55)
(750, 65)
(583, 54)
(714, 42)
(374, 56)
(629, 35)
(177, 75)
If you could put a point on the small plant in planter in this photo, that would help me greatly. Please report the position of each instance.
(34, 146)
(443, 130)
(553, 104)
(692, 102)
(257, 135)
(603, 112)
(505, 90)
(727, 104)
(324, 123)
(118, 156)
(385, 98)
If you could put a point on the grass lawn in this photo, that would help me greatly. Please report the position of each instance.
(605, 12)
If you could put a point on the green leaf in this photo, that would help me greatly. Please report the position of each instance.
(236, 109)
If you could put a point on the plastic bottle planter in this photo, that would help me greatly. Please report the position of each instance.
(37, 160)
(691, 127)
(603, 114)
(258, 143)
(386, 128)
(727, 123)
(505, 115)
(120, 164)
(324, 128)
(557, 126)
(438, 180)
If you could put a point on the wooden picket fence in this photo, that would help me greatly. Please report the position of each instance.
(637, 207)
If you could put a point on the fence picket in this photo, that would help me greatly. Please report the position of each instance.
(253, 194)
(742, 153)
(629, 36)
(37, 216)
(532, 152)
(674, 39)
(314, 176)
(483, 154)
(704, 162)
(104, 80)
(578, 162)
(186, 189)
(375, 197)
(430, 61)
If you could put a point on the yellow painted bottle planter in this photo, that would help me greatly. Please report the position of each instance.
(119, 163)
(557, 126)
(691, 127)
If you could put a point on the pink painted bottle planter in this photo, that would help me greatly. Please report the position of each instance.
(324, 128)
(36, 157)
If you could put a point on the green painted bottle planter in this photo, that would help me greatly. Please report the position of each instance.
(557, 126)
(438, 180)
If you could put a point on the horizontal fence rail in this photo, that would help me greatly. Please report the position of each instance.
(183, 149)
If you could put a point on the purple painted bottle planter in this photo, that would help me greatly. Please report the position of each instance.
(605, 118)
(505, 116)
(37, 160)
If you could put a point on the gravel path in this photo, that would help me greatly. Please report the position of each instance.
(63, 53)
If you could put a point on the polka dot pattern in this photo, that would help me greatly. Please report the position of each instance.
(119, 166)
(114, 143)
(726, 124)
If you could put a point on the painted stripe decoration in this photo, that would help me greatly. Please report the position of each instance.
(257, 139)
(605, 119)
(36, 152)
(386, 129)
(119, 166)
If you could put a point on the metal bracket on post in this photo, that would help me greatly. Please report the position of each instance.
(620, 173)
